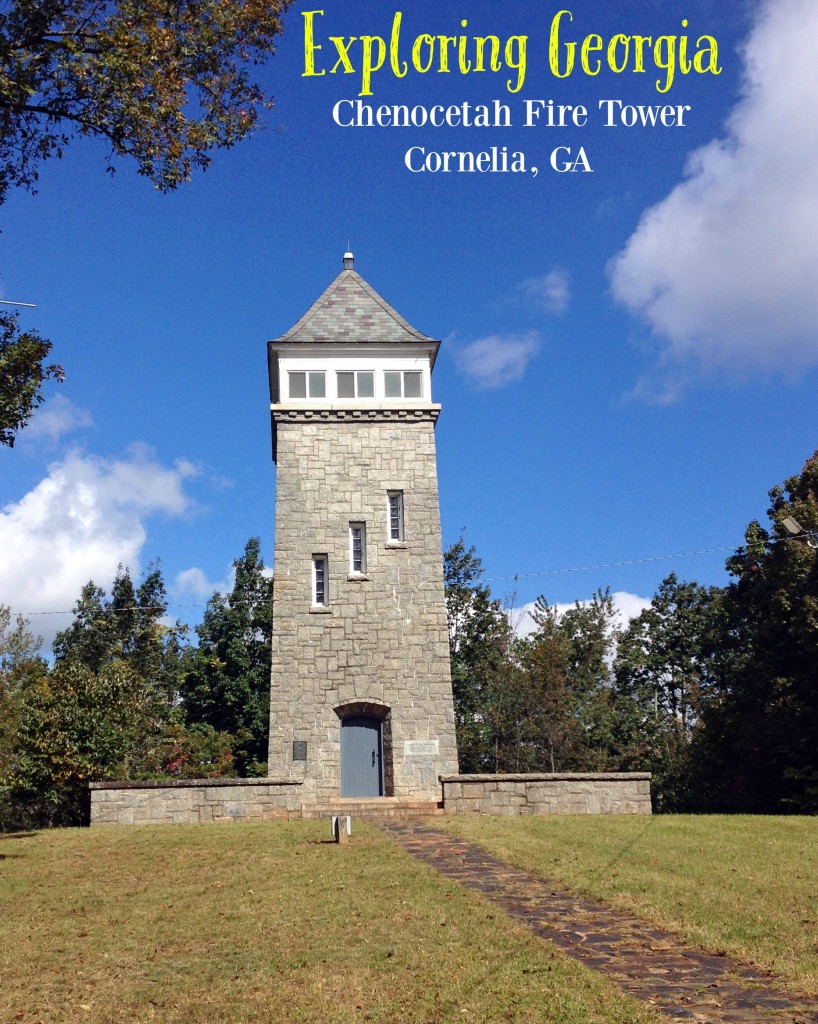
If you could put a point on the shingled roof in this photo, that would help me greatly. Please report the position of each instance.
(351, 311)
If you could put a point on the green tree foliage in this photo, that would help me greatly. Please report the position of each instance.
(80, 726)
(165, 83)
(127, 628)
(109, 707)
(664, 673)
(197, 751)
(481, 648)
(20, 668)
(20, 661)
(759, 749)
(540, 704)
(227, 680)
(565, 714)
(23, 371)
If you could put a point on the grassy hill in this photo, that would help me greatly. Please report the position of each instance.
(742, 885)
(274, 923)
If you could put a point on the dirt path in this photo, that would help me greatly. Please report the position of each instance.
(644, 961)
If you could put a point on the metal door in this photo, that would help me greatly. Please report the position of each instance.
(361, 757)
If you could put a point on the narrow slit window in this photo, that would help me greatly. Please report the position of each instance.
(320, 583)
(395, 506)
(357, 548)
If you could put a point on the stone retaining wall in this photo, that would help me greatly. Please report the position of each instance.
(194, 801)
(201, 801)
(559, 793)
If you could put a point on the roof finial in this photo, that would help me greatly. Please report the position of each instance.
(349, 260)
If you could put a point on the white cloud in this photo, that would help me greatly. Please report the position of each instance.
(724, 268)
(626, 606)
(54, 419)
(193, 583)
(550, 292)
(498, 360)
(79, 523)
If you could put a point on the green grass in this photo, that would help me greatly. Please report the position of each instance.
(266, 923)
(745, 886)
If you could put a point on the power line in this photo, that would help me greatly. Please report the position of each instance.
(609, 565)
(487, 579)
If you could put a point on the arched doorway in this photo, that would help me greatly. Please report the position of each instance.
(361, 756)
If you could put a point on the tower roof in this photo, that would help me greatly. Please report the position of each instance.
(350, 311)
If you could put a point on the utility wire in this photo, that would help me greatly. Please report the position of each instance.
(486, 579)
(608, 565)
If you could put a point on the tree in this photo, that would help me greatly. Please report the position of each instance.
(19, 661)
(480, 645)
(126, 628)
(226, 684)
(663, 676)
(79, 726)
(163, 82)
(20, 667)
(759, 749)
(197, 751)
(109, 709)
(23, 371)
(566, 714)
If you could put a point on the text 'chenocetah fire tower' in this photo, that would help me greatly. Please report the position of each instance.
(361, 696)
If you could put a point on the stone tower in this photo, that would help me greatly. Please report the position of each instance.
(361, 696)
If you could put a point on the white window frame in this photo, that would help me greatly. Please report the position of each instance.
(355, 385)
(402, 394)
(320, 581)
(395, 531)
(310, 377)
(357, 549)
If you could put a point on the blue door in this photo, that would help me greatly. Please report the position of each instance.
(361, 757)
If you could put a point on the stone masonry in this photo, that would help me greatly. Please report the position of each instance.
(205, 801)
(557, 793)
(361, 707)
(194, 801)
(379, 647)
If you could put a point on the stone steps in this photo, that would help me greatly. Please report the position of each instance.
(384, 808)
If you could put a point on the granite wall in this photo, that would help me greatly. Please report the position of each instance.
(379, 647)
(194, 801)
(201, 801)
(559, 793)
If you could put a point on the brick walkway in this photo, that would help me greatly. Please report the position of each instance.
(647, 963)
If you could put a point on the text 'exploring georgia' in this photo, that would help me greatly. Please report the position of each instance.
(366, 55)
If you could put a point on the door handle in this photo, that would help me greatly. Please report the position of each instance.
(373, 758)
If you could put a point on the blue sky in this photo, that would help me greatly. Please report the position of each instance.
(629, 354)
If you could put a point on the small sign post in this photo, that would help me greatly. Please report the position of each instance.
(341, 827)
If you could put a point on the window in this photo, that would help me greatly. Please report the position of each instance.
(403, 383)
(395, 526)
(356, 384)
(320, 583)
(307, 384)
(357, 548)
